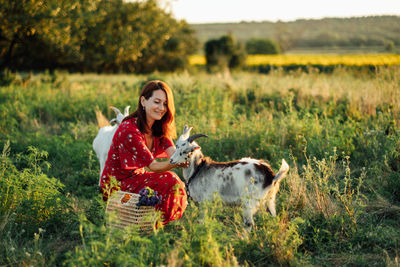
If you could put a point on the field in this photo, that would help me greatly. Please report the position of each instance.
(314, 59)
(339, 204)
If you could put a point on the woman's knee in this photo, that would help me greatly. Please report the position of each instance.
(175, 182)
(173, 177)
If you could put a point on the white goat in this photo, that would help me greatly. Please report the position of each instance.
(103, 140)
(249, 182)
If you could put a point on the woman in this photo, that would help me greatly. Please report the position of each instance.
(143, 136)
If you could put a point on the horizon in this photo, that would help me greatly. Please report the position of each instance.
(289, 21)
(236, 11)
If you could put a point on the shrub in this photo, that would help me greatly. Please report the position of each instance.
(223, 54)
(35, 199)
(262, 46)
(31, 204)
(275, 241)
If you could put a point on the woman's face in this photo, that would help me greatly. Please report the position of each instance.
(155, 106)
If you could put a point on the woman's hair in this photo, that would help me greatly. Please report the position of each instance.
(165, 126)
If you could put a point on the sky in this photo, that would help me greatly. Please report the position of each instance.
(211, 11)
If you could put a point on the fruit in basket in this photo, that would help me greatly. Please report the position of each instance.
(148, 197)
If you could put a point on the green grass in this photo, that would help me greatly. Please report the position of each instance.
(339, 205)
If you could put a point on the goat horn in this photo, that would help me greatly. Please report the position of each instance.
(115, 110)
(126, 111)
(195, 136)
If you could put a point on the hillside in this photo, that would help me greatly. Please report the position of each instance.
(357, 32)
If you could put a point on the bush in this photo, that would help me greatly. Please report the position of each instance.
(389, 46)
(33, 198)
(224, 54)
(262, 46)
(100, 36)
(31, 204)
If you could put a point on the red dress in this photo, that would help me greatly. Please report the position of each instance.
(128, 156)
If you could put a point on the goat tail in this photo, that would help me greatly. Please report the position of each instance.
(282, 171)
(101, 119)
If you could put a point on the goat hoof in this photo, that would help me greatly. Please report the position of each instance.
(249, 226)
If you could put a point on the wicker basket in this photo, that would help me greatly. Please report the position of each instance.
(122, 205)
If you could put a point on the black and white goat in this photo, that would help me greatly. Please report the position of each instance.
(249, 182)
(103, 140)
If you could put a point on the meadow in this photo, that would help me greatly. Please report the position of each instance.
(338, 206)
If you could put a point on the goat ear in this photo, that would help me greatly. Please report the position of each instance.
(126, 111)
(186, 131)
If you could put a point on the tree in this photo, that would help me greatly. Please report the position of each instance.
(36, 33)
(115, 36)
(169, 41)
(262, 46)
(175, 51)
(389, 46)
(224, 54)
(92, 35)
(135, 37)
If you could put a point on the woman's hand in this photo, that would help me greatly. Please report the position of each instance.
(139, 171)
(183, 164)
(165, 166)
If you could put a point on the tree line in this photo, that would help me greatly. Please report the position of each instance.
(92, 36)
(356, 32)
(114, 36)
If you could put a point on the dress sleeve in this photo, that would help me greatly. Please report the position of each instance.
(163, 145)
(133, 151)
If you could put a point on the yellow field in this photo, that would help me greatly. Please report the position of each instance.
(326, 60)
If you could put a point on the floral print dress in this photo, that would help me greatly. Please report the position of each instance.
(126, 159)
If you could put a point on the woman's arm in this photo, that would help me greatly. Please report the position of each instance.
(161, 166)
(165, 165)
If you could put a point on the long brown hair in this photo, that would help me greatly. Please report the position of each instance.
(165, 126)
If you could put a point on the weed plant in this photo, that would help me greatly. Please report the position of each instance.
(339, 204)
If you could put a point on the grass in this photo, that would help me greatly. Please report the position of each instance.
(339, 205)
